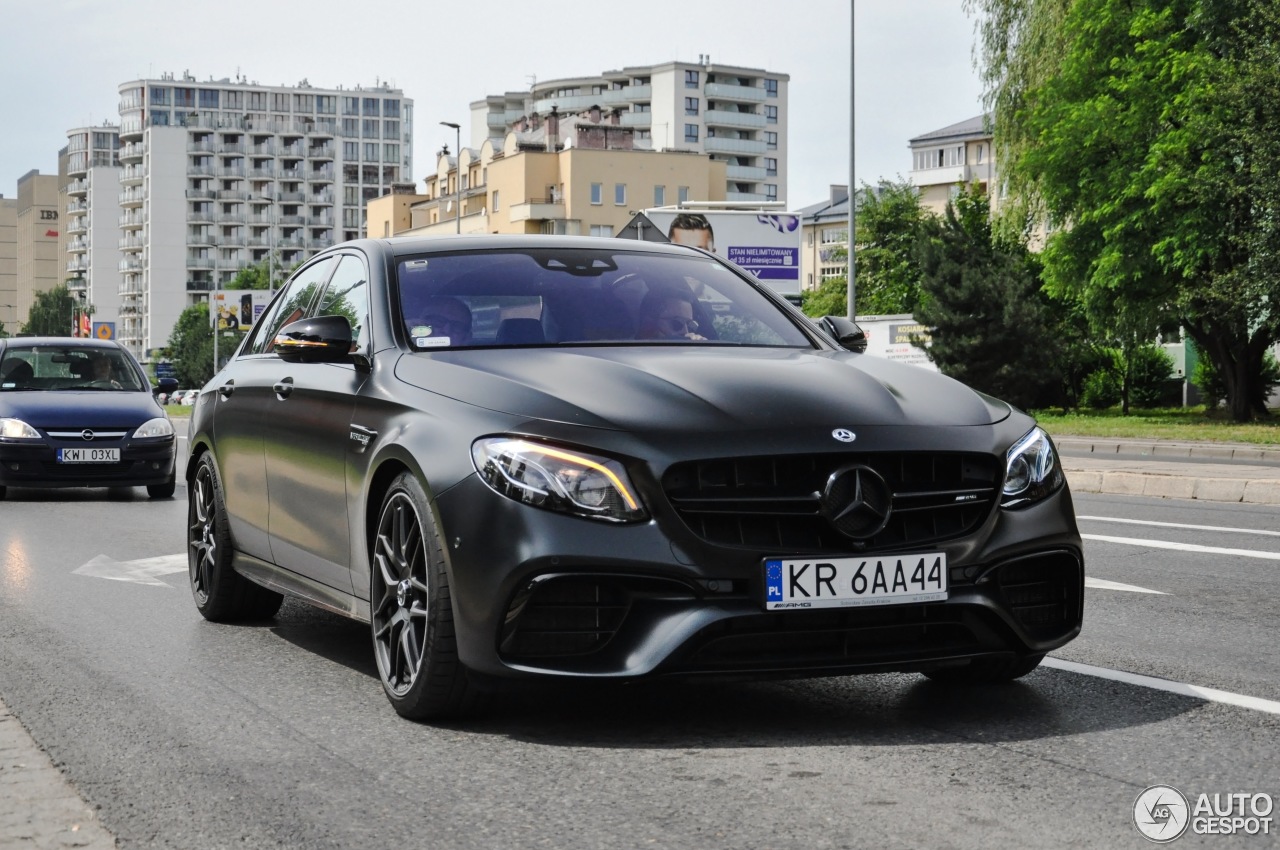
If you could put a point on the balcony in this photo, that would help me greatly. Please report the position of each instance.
(321, 152)
(79, 224)
(738, 94)
(747, 197)
(78, 187)
(201, 194)
(131, 243)
(77, 206)
(536, 209)
(321, 175)
(945, 176)
(750, 173)
(200, 262)
(78, 245)
(233, 171)
(266, 149)
(200, 170)
(729, 118)
(200, 239)
(131, 175)
(200, 214)
(232, 195)
(130, 264)
(262, 174)
(231, 147)
(292, 197)
(200, 147)
(131, 220)
(131, 152)
(717, 144)
(77, 264)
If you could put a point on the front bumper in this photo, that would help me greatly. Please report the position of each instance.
(32, 464)
(538, 594)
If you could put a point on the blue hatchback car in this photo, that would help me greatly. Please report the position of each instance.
(81, 413)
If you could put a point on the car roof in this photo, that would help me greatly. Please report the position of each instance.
(65, 341)
(408, 245)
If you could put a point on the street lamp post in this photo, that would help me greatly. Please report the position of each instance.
(457, 178)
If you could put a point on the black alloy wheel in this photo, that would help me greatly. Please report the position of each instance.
(411, 616)
(221, 594)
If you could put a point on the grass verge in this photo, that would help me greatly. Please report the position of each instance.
(1191, 424)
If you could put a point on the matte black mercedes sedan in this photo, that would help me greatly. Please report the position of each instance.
(78, 412)
(541, 457)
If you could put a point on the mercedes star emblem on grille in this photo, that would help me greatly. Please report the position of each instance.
(844, 435)
(857, 501)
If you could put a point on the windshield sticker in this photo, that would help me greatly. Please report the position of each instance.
(431, 341)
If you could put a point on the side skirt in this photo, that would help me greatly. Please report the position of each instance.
(311, 592)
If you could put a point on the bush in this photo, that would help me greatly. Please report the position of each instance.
(1148, 380)
(1101, 389)
(1213, 390)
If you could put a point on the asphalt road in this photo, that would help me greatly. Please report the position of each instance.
(184, 734)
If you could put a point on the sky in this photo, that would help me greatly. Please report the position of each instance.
(908, 61)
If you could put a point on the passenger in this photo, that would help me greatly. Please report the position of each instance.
(444, 318)
(668, 314)
(101, 376)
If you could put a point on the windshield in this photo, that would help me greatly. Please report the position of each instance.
(571, 296)
(66, 367)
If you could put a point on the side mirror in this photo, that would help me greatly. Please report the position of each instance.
(324, 339)
(845, 331)
(166, 386)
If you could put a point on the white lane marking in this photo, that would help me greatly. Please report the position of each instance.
(1103, 584)
(1211, 694)
(1183, 547)
(143, 571)
(1182, 525)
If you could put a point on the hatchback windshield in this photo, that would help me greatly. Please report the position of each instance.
(584, 296)
(61, 367)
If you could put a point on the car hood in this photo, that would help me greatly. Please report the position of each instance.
(706, 388)
(79, 409)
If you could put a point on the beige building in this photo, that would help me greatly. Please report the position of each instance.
(944, 160)
(824, 228)
(9, 265)
(576, 175)
(38, 229)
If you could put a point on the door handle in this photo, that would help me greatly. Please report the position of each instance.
(227, 389)
(283, 388)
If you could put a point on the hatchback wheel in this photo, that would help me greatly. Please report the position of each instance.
(222, 595)
(165, 490)
(412, 621)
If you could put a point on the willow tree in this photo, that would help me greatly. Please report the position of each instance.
(1150, 129)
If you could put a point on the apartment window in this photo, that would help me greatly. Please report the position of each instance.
(682, 195)
(391, 108)
(326, 104)
(351, 106)
(304, 103)
(770, 166)
(691, 79)
(160, 96)
(232, 99)
(690, 106)
(771, 114)
(258, 101)
(835, 235)
(620, 194)
(369, 128)
(208, 98)
(981, 153)
(831, 272)
(351, 127)
(771, 140)
(372, 106)
(605, 230)
(691, 132)
(350, 150)
(280, 102)
(642, 107)
(390, 129)
(597, 193)
(371, 151)
(659, 196)
(770, 88)
(771, 191)
(350, 195)
(496, 203)
(390, 153)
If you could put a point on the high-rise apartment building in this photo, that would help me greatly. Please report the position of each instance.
(220, 175)
(737, 115)
(92, 236)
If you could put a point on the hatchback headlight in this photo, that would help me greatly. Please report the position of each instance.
(557, 479)
(16, 429)
(158, 427)
(1032, 471)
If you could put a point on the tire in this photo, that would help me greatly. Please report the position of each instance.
(987, 671)
(165, 490)
(411, 618)
(221, 594)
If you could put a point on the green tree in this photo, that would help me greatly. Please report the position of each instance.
(54, 313)
(1151, 130)
(991, 325)
(888, 226)
(191, 347)
(254, 277)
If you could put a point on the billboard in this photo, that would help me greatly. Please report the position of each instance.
(766, 244)
(237, 309)
(890, 337)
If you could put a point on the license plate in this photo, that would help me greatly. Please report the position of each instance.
(88, 455)
(847, 582)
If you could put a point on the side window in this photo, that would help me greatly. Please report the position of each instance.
(348, 295)
(290, 306)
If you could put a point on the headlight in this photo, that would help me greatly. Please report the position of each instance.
(158, 427)
(1032, 470)
(16, 429)
(557, 479)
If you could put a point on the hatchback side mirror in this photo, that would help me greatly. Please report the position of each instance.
(323, 339)
(845, 331)
(166, 386)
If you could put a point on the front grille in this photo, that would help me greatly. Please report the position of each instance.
(772, 503)
(1042, 592)
(564, 616)
(798, 639)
